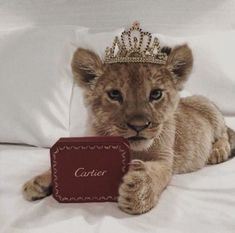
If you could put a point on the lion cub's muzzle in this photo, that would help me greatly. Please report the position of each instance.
(138, 123)
(141, 134)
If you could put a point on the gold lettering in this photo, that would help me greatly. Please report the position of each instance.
(82, 172)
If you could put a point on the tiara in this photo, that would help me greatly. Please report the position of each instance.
(135, 46)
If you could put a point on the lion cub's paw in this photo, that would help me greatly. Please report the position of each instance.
(36, 188)
(220, 151)
(136, 194)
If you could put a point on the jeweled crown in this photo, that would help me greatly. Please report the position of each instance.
(135, 46)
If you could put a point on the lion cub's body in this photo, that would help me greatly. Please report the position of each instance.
(199, 124)
(167, 134)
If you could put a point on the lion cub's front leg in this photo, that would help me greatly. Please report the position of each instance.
(38, 187)
(142, 186)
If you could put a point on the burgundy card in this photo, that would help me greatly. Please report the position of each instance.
(88, 169)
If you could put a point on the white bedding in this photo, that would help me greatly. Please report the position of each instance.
(178, 17)
(203, 201)
(200, 202)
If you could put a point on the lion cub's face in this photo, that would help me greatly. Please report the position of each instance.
(131, 100)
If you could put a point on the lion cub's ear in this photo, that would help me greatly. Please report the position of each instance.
(180, 63)
(86, 67)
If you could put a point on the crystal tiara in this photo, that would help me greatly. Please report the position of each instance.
(135, 46)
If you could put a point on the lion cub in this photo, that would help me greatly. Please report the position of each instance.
(167, 134)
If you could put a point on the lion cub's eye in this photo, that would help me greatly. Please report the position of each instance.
(155, 94)
(115, 95)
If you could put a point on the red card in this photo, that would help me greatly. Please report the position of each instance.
(88, 169)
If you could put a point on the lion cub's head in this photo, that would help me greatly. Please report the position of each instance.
(132, 100)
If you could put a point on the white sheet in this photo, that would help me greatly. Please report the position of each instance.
(162, 16)
(200, 202)
(203, 201)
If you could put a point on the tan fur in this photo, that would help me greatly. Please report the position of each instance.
(181, 134)
(38, 187)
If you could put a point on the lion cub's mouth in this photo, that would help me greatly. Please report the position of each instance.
(136, 138)
(138, 143)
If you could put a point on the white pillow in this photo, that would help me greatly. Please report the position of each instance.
(213, 73)
(35, 89)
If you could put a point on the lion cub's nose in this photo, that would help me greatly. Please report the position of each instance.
(138, 123)
(138, 128)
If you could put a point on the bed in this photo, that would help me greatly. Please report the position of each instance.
(202, 201)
